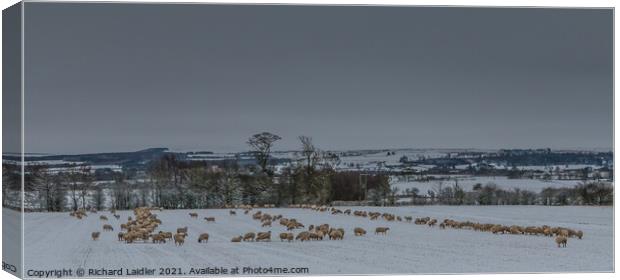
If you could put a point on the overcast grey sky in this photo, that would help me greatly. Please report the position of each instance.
(121, 77)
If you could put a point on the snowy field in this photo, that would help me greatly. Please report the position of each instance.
(468, 182)
(56, 240)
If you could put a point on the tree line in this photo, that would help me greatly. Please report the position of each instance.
(311, 178)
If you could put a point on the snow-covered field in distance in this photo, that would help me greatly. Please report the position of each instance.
(467, 183)
(56, 240)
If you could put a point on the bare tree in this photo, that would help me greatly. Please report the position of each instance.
(261, 145)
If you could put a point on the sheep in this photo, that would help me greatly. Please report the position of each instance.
(232, 213)
(382, 230)
(95, 235)
(303, 236)
(432, 222)
(236, 239)
(182, 230)
(249, 236)
(118, 217)
(107, 227)
(286, 236)
(561, 240)
(103, 218)
(316, 235)
(210, 219)
(193, 215)
(408, 218)
(203, 237)
(159, 238)
(266, 236)
(166, 234)
(442, 226)
(515, 230)
(179, 239)
(335, 235)
(266, 224)
(579, 234)
(359, 231)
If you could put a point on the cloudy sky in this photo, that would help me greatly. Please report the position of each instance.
(122, 77)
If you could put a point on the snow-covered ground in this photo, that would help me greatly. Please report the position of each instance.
(56, 240)
(467, 183)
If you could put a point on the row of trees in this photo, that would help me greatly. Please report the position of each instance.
(172, 183)
(590, 193)
(310, 178)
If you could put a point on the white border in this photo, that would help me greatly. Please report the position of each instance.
(504, 3)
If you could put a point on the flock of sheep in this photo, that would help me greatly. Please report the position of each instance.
(561, 234)
(143, 226)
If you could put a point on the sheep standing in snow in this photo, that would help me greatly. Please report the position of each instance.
(249, 236)
(203, 237)
(359, 231)
(179, 239)
(95, 235)
(263, 236)
(561, 240)
(382, 230)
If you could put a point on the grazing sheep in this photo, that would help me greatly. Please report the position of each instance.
(408, 218)
(316, 235)
(232, 213)
(236, 239)
(382, 230)
(303, 236)
(432, 222)
(107, 227)
(335, 235)
(95, 235)
(179, 239)
(193, 215)
(103, 218)
(118, 217)
(286, 236)
(203, 237)
(442, 226)
(266, 236)
(359, 231)
(561, 240)
(159, 238)
(266, 224)
(167, 234)
(210, 219)
(579, 234)
(182, 230)
(249, 236)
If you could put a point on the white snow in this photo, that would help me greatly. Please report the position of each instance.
(56, 240)
(467, 183)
